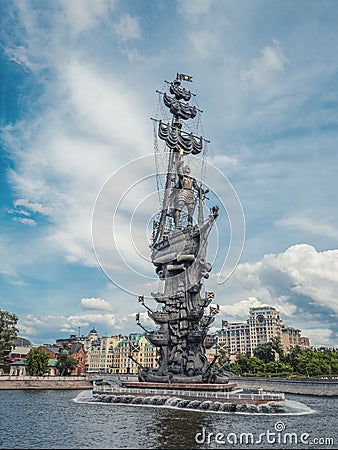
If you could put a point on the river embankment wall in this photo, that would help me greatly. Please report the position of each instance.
(328, 388)
(48, 382)
(302, 386)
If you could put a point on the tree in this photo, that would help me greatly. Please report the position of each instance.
(278, 368)
(249, 364)
(65, 364)
(37, 362)
(265, 352)
(8, 331)
(235, 369)
(292, 357)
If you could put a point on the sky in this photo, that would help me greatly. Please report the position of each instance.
(78, 191)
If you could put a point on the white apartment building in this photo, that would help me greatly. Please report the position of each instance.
(263, 323)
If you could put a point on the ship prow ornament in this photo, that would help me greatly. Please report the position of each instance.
(179, 251)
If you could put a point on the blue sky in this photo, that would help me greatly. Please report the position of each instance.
(78, 82)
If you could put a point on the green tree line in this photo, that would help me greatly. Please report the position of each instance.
(270, 360)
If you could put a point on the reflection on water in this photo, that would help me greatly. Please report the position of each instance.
(185, 425)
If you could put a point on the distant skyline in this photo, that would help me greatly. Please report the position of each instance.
(78, 88)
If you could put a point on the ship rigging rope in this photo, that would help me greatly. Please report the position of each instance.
(157, 162)
(160, 158)
(161, 163)
(204, 155)
(198, 165)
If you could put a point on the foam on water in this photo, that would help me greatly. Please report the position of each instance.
(297, 408)
(84, 397)
(287, 407)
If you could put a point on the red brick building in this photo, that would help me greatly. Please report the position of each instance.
(77, 352)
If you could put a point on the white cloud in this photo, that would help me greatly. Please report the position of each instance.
(301, 283)
(33, 207)
(192, 10)
(134, 55)
(319, 337)
(128, 28)
(82, 15)
(303, 223)
(95, 303)
(221, 160)
(49, 327)
(20, 283)
(20, 55)
(106, 108)
(240, 310)
(19, 211)
(68, 23)
(264, 70)
(145, 320)
(41, 329)
(203, 43)
(25, 221)
(71, 150)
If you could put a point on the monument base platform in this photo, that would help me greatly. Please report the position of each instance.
(200, 396)
(224, 387)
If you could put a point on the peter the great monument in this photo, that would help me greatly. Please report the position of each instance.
(178, 249)
(178, 252)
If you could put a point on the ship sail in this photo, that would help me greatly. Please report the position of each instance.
(177, 139)
(179, 109)
(179, 92)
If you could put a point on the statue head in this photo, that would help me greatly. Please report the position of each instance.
(186, 170)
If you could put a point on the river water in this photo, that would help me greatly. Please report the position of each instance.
(47, 419)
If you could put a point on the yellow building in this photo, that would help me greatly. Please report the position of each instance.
(118, 354)
(92, 347)
(132, 352)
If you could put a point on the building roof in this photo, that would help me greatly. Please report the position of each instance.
(262, 308)
(133, 338)
(75, 348)
(52, 348)
(18, 363)
(51, 363)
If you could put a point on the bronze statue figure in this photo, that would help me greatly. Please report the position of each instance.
(185, 195)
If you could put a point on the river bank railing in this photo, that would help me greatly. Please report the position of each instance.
(43, 378)
(274, 380)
